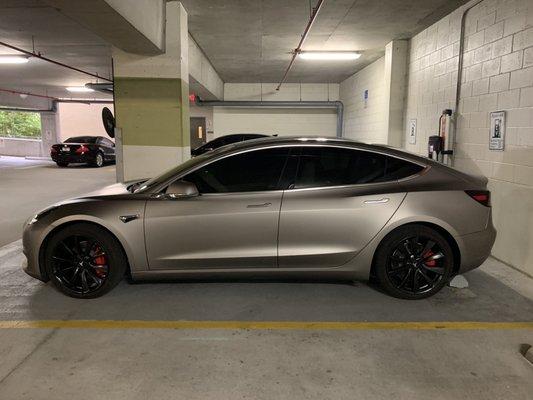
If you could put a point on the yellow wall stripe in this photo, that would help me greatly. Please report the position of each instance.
(260, 325)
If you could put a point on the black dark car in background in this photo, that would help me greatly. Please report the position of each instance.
(224, 140)
(93, 150)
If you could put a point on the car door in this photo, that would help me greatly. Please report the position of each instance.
(233, 223)
(337, 204)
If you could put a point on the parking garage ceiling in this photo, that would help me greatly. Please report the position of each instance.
(32, 25)
(246, 41)
(251, 41)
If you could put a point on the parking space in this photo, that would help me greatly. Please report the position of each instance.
(304, 199)
(263, 340)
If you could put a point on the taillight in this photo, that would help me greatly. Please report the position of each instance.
(82, 149)
(481, 196)
(53, 150)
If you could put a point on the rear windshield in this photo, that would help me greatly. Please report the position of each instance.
(81, 139)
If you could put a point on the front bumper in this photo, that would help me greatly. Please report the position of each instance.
(31, 240)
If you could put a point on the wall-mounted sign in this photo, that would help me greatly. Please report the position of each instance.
(411, 134)
(497, 130)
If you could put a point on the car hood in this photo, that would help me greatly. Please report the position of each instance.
(114, 189)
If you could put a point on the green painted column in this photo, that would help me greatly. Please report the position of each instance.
(152, 104)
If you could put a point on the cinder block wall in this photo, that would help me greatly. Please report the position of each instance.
(497, 75)
(364, 120)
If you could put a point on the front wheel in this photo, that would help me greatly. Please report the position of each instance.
(84, 261)
(414, 262)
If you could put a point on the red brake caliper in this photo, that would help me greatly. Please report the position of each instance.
(430, 263)
(100, 261)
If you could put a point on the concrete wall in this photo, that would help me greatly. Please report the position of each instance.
(80, 119)
(365, 120)
(281, 121)
(497, 75)
(20, 147)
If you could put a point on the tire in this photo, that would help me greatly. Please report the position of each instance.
(99, 160)
(408, 266)
(62, 164)
(68, 268)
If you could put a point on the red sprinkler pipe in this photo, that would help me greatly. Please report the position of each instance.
(298, 49)
(28, 94)
(38, 55)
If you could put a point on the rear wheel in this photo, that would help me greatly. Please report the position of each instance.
(84, 261)
(414, 262)
(62, 164)
(99, 160)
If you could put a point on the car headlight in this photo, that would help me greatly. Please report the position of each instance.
(40, 215)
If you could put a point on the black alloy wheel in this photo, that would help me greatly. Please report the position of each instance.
(80, 264)
(414, 262)
(84, 260)
(415, 265)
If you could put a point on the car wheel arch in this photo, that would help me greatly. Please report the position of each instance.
(64, 225)
(444, 232)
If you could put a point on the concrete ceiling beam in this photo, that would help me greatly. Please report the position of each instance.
(134, 27)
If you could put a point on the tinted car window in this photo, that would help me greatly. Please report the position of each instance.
(81, 139)
(248, 172)
(106, 142)
(399, 169)
(329, 166)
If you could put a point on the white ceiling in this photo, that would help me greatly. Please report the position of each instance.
(251, 41)
(55, 37)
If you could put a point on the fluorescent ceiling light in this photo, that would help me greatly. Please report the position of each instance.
(329, 55)
(13, 59)
(79, 89)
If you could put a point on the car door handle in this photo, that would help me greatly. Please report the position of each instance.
(377, 201)
(258, 205)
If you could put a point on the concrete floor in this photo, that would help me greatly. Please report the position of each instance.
(359, 361)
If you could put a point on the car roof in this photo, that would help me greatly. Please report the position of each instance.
(325, 140)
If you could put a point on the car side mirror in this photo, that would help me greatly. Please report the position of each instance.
(181, 189)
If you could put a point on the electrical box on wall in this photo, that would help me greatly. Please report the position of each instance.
(412, 131)
(497, 130)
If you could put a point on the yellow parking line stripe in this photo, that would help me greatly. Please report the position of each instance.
(261, 325)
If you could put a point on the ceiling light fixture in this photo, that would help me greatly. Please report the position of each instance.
(329, 55)
(13, 59)
(79, 89)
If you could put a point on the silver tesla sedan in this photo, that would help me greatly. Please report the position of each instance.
(277, 208)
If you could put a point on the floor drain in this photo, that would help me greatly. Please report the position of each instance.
(527, 351)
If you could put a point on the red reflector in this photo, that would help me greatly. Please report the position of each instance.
(481, 196)
(82, 149)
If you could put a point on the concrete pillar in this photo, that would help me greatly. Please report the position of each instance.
(152, 103)
(395, 85)
(49, 131)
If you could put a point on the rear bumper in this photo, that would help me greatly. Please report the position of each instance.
(69, 158)
(475, 248)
